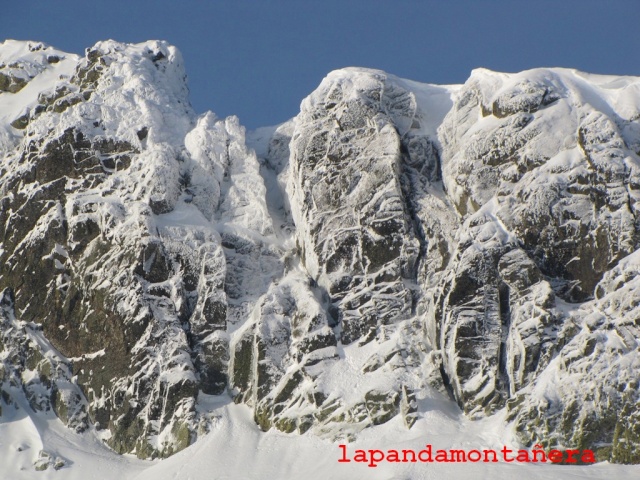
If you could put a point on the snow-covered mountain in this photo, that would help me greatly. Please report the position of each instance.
(394, 248)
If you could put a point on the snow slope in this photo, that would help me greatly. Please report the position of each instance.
(236, 449)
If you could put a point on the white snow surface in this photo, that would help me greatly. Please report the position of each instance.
(236, 449)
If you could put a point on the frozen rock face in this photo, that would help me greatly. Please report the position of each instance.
(542, 167)
(357, 172)
(355, 234)
(108, 240)
(588, 395)
(492, 319)
(554, 157)
(30, 365)
(392, 244)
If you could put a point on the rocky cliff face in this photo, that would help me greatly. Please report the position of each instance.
(392, 241)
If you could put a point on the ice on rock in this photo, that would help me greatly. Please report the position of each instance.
(103, 174)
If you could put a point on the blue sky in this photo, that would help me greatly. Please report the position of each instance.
(258, 59)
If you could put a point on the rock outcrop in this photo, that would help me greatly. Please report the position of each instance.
(393, 241)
